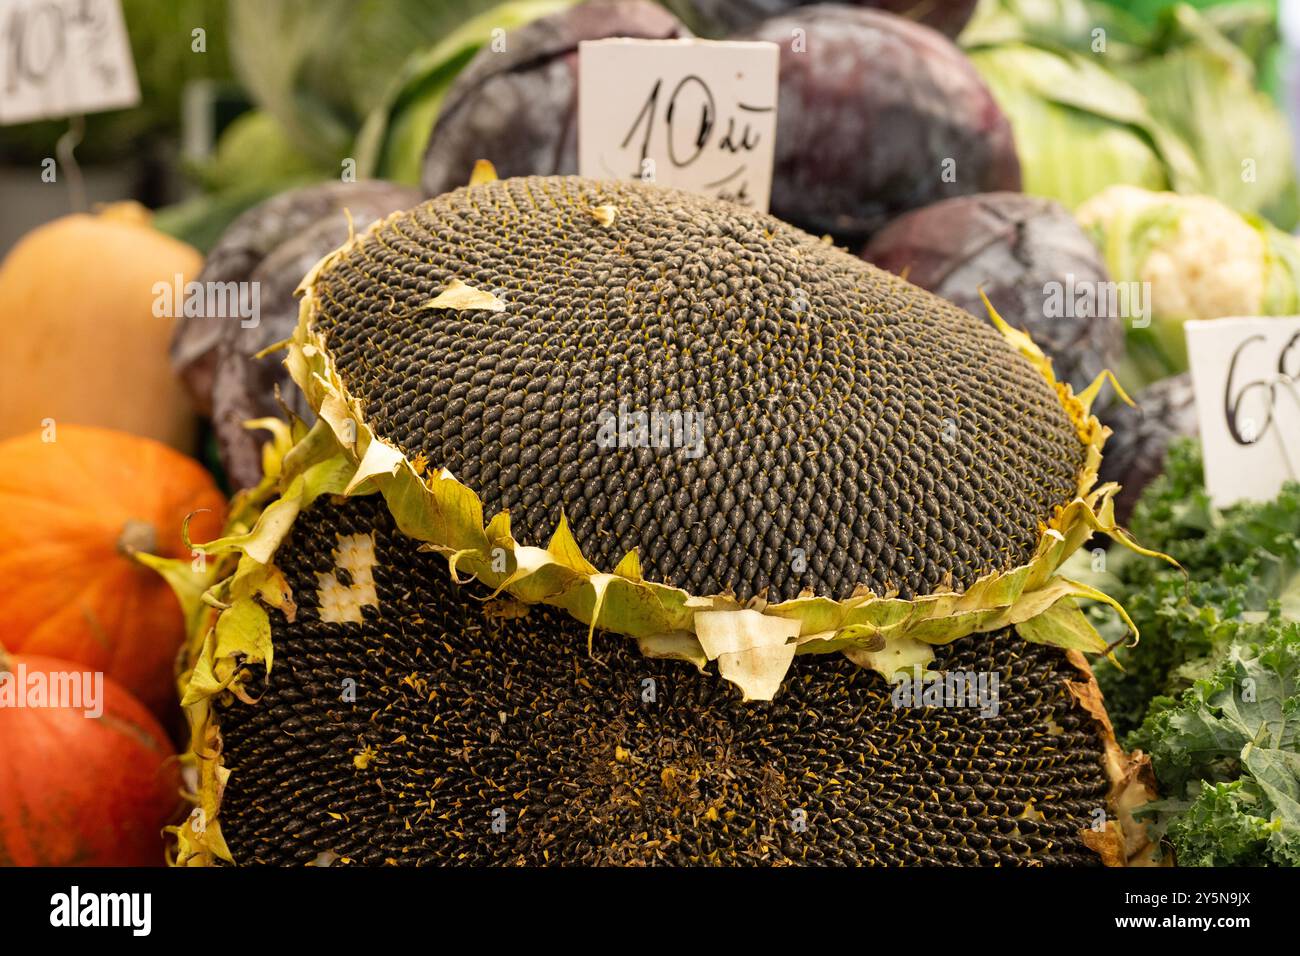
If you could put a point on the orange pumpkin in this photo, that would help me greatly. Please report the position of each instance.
(72, 510)
(84, 782)
(82, 342)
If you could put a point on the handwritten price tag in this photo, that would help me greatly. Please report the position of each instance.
(1246, 374)
(63, 57)
(692, 114)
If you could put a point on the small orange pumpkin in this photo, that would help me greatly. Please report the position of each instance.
(72, 512)
(81, 787)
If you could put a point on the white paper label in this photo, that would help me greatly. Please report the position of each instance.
(1246, 373)
(693, 114)
(64, 57)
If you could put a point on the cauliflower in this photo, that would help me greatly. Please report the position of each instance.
(1197, 258)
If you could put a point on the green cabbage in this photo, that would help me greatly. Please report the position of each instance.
(1203, 88)
(321, 66)
(255, 151)
(394, 136)
(1078, 128)
(1188, 99)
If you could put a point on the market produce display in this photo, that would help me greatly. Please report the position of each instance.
(495, 715)
(379, 488)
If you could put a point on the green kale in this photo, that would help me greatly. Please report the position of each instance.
(1221, 827)
(1242, 568)
(1212, 691)
(1226, 756)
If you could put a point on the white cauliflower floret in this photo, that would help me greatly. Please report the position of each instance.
(1202, 260)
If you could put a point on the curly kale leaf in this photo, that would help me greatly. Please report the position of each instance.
(1243, 569)
(1226, 754)
(1222, 827)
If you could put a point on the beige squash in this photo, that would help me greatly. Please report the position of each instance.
(81, 343)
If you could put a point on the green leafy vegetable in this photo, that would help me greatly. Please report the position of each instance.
(1079, 128)
(1212, 692)
(1226, 752)
(254, 151)
(395, 134)
(1149, 11)
(321, 66)
(1102, 95)
(1243, 568)
(1203, 87)
(1078, 25)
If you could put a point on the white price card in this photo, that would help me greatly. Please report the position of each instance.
(1246, 374)
(63, 57)
(698, 115)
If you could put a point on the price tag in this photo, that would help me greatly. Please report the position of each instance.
(63, 57)
(692, 114)
(1246, 374)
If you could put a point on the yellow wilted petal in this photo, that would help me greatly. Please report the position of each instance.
(380, 458)
(1062, 625)
(630, 566)
(757, 671)
(462, 297)
(677, 645)
(1089, 394)
(484, 172)
(728, 632)
(900, 654)
(564, 549)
